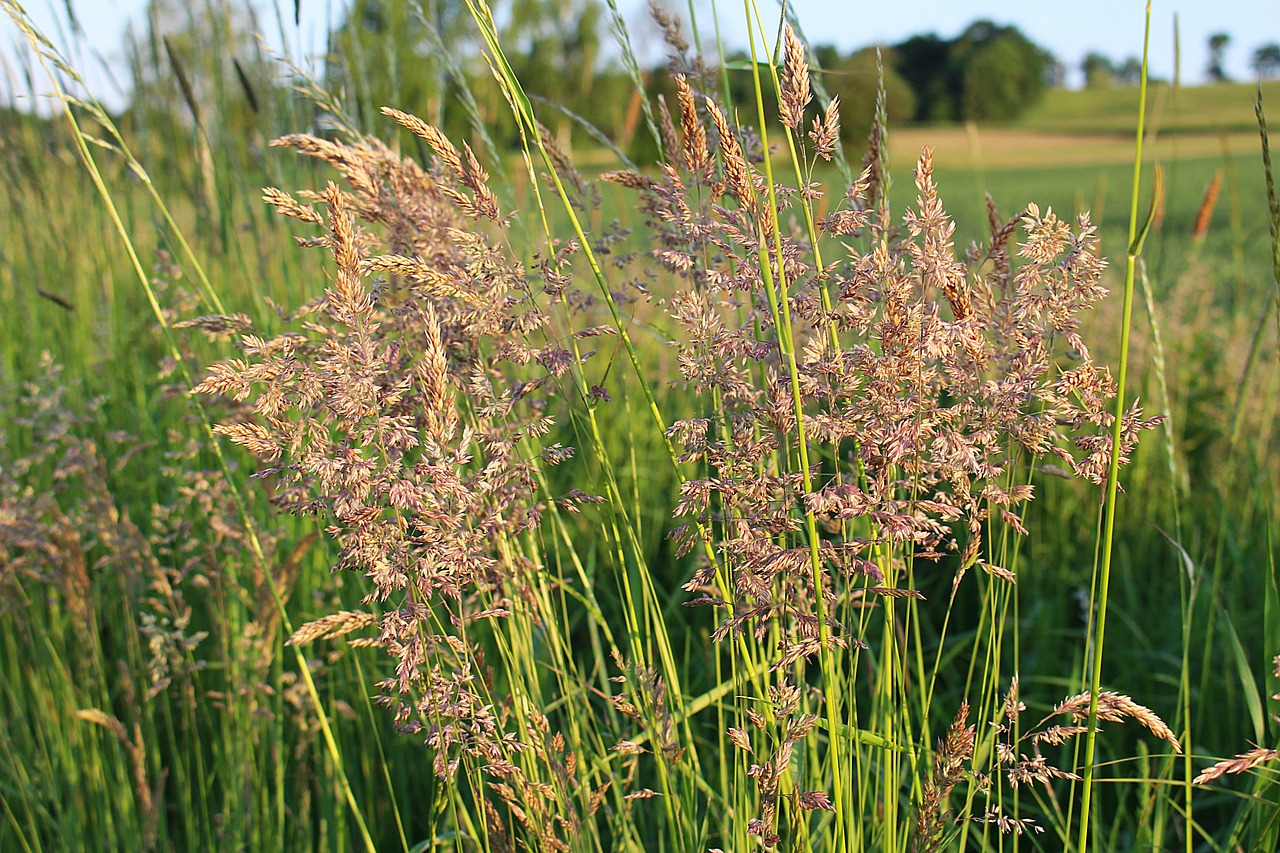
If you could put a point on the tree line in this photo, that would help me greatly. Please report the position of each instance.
(423, 56)
(563, 53)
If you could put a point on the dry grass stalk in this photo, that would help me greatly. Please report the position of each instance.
(1205, 213)
(362, 419)
(933, 816)
(697, 156)
(1244, 761)
(794, 82)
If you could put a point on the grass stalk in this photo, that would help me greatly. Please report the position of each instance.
(48, 54)
(1137, 235)
(780, 310)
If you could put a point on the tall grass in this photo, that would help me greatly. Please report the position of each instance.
(708, 528)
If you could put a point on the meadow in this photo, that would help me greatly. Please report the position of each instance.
(440, 499)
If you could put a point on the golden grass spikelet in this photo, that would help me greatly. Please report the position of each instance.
(737, 172)
(108, 722)
(438, 142)
(1116, 707)
(670, 140)
(642, 794)
(353, 161)
(630, 178)
(954, 750)
(670, 26)
(349, 302)
(253, 438)
(331, 625)
(1205, 214)
(1243, 762)
(697, 156)
(429, 279)
(468, 172)
(287, 205)
(934, 256)
(825, 132)
(560, 161)
(794, 82)
(217, 326)
(478, 180)
(136, 751)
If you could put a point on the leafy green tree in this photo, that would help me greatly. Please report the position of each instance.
(1129, 72)
(854, 79)
(1001, 72)
(1217, 54)
(384, 53)
(924, 62)
(1266, 60)
(987, 73)
(1099, 72)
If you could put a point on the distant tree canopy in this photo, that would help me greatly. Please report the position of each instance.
(425, 57)
(854, 78)
(987, 73)
(388, 52)
(1100, 72)
(1266, 60)
(1217, 57)
(382, 54)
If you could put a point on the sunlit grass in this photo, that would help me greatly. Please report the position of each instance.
(228, 754)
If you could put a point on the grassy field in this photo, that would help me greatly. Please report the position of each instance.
(1221, 108)
(430, 626)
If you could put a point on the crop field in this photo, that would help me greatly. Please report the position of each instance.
(364, 487)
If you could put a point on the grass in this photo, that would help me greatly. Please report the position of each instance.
(1214, 109)
(505, 657)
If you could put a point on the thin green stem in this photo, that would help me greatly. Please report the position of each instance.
(1113, 471)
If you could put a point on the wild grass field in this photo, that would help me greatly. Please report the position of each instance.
(366, 490)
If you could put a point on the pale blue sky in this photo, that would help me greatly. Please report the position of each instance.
(1068, 29)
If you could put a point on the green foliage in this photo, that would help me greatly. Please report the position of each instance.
(1266, 60)
(1217, 71)
(1002, 73)
(987, 73)
(1099, 72)
(384, 55)
(854, 79)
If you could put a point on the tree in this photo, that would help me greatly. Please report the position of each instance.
(1129, 72)
(1001, 72)
(854, 79)
(384, 55)
(1217, 53)
(388, 52)
(1266, 60)
(925, 63)
(1099, 72)
(987, 73)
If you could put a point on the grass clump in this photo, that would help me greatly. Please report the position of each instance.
(710, 527)
(858, 427)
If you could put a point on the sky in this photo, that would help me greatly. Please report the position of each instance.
(1067, 29)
